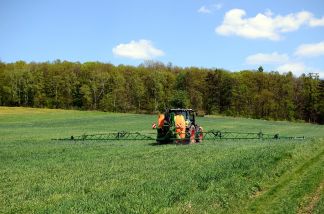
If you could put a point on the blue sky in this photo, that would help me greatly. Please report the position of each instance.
(235, 35)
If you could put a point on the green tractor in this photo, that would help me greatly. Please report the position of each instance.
(178, 126)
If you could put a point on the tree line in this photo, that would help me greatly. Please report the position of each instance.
(154, 86)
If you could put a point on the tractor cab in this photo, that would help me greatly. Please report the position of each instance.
(178, 125)
(188, 115)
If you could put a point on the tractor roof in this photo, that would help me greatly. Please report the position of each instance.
(180, 109)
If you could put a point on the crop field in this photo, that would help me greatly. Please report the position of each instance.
(38, 175)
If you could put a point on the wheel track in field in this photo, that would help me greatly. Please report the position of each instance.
(264, 200)
(314, 199)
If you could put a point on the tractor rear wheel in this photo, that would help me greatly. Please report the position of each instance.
(192, 135)
(200, 135)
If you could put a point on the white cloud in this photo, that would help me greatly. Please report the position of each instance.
(217, 6)
(316, 22)
(262, 58)
(209, 8)
(265, 25)
(298, 68)
(142, 49)
(268, 12)
(310, 50)
(204, 9)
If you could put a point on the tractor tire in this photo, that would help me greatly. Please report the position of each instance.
(200, 135)
(192, 135)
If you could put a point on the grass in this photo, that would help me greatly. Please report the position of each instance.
(248, 176)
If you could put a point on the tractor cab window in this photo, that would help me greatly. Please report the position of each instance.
(192, 116)
(183, 113)
(188, 115)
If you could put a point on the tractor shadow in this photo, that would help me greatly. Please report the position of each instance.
(155, 144)
(160, 144)
(167, 144)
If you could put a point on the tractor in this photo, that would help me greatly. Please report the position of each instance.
(178, 126)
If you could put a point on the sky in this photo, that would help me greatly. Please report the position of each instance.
(280, 35)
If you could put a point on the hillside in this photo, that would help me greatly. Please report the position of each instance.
(153, 86)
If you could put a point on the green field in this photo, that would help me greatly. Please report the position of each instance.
(38, 175)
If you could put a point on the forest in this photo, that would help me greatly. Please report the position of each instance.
(154, 86)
